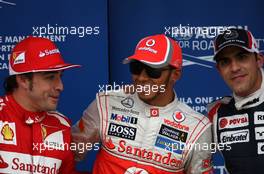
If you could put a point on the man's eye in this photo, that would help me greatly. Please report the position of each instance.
(242, 56)
(50, 77)
(223, 62)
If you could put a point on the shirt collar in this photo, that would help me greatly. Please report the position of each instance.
(28, 116)
(150, 109)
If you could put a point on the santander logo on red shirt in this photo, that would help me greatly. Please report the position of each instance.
(233, 121)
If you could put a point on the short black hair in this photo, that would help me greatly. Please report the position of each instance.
(10, 83)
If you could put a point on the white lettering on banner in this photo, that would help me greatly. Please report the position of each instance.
(6, 48)
(221, 169)
(187, 100)
(260, 42)
(3, 66)
(233, 121)
(198, 103)
(25, 163)
(259, 133)
(55, 38)
(259, 117)
(14, 39)
(202, 45)
(261, 148)
(239, 136)
(2, 56)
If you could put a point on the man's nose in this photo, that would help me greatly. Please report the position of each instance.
(143, 75)
(235, 66)
(59, 84)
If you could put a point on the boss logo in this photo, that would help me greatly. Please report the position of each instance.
(122, 131)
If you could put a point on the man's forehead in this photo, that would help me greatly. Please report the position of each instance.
(229, 51)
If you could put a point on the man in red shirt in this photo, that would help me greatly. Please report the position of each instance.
(34, 138)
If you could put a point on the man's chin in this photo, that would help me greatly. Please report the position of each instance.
(52, 107)
(146, 96)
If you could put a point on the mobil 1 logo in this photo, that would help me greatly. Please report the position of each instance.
(121, 131)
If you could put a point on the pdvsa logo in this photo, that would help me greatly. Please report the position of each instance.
(134, 170)
(233, 121)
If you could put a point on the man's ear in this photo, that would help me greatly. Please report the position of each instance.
(217, 67)
(260, 59)
(22, 81)
(176, 74)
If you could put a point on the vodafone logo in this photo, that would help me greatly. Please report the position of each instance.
(150, 42)
(178, 116)
(134, 170)
(154, 112)
(233, 121)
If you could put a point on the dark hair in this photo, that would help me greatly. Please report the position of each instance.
(10, 83)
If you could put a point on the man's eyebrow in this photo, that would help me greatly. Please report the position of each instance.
(242, 52)
(49, 72)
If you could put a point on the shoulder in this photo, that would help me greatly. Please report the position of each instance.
(214, 106)
(113, 95)
(60, 117)
(4, 105)
(192, 114)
